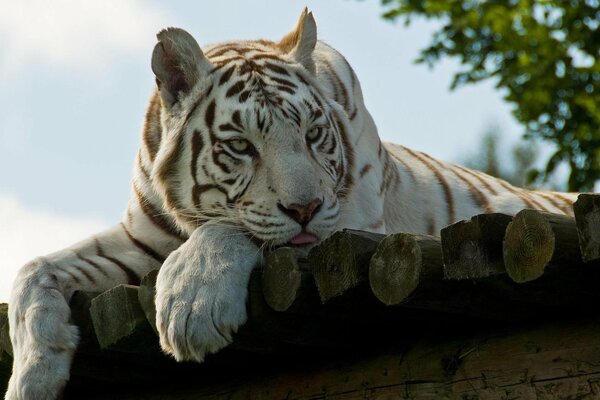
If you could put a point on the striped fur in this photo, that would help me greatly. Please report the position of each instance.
(237, 140)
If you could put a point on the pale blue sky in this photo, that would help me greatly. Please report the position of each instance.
(75, 79)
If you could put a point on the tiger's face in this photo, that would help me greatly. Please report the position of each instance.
(249, 137)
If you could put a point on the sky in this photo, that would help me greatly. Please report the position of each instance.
(75, 79)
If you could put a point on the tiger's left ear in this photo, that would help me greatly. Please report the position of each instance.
(178, 64)
(301, 41)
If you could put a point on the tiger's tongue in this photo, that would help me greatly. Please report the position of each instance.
(303, 238)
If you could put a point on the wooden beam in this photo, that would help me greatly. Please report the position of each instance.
(406, 272)
(473, 248)
(146, 294)
(535, 240)
(287, 285)
(587, 219)
(4, 334)
(550, 361)
(341, 262)
(80, 304)
(120, 323)
(404, 264)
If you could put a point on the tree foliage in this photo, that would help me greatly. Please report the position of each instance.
(544, 54)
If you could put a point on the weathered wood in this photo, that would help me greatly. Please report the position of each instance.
(4, 330)
(120, 323)
(5, 371)
(535, 240)
(341, 262)
(404, 263)
(473, 248)
(587, 219)
(294, 331)
(553, 361)
(286, 285)
(5, 349)
(146, 294)
(358, 309)
(80, 304)
(406, 271)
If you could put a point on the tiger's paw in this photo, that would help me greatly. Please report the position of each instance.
(43, 340)
(201, 294)
(42, 377)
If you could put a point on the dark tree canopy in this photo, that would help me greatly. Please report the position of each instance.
(544, 54)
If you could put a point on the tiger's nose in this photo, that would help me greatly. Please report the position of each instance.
(301, 213)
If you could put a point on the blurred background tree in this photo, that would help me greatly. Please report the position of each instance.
(544, 54)
(515, 164)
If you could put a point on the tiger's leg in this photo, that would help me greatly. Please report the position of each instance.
(201, 291)
(43, 339)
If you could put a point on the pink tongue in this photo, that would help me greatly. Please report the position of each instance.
(303, 238)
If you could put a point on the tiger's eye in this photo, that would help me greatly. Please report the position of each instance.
(314, 134)
(239, 145)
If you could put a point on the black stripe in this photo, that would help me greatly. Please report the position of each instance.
(226, 75)
(338, 83)
(285, 89)
(198, 190)
(284, 82)
(276, 68)
(70, 273)
(229, 127)
(142, 168)
(477, 195)
(152, 128)
(93, 264)
(441, 180)
(209, 117)
(236, 119)
(476, 175)
(235, 89)
(197, 146)
(132, 277)
(87, 275)
(405, 165)
(154, 215)
(198, 102)
(142, 246)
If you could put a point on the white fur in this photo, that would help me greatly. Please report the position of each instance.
(201, 292)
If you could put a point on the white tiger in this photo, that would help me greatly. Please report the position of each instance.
(245, 146)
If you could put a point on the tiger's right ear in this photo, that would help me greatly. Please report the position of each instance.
(178, 64)
(301, 41)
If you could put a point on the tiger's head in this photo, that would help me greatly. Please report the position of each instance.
(249, 138)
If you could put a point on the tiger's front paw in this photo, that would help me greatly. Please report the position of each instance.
(201, 293)
(195, 318)
(43, 340)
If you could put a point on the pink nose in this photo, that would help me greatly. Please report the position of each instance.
(302, 213)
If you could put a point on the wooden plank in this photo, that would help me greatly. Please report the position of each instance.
(287, 285)
(587, 219)
(535, 240)
(473, 248)
(146, 294)
(5, 371)
(558, 360)
(341, 262)
(5, 349)
(5, 344)
(120, 323)
(404, 265)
